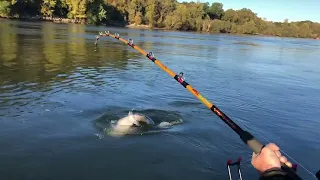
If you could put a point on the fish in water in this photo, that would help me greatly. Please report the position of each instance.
(136, 123)
(130, 124)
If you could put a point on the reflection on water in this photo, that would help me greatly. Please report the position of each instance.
(50, 58)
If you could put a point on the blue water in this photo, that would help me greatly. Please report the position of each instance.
(54, 85)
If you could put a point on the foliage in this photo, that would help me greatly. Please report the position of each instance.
(186, 17)
(215, 11)
(138, 18)
(96, 13)
(77, 8)
(169, 14)
(5, 7)
(151, 15)
(47, 7)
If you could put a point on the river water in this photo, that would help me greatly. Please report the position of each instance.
(55, 87)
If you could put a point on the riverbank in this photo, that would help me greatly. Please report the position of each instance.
(75, 21)
(78, 21)
(51, 19)
(142, 26)
(115, 24)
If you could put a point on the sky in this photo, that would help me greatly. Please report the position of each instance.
(275, 10)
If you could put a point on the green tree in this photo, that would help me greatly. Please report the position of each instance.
(61, 9)
(230, 15)
(135, 11)
(96, 13)
(169, 14)
(216, 11)
(244, 15)
(138, 18)
(249, 28)
(207, 24)
(304, 30)
(315, 29)
(5, 8)
(178, 18)
(77, 8)
(206, 8)
(151, 13)
(260, 24)
(47, 7)
(187, 16)
(217, 26)
(25, 7)
(164, 9)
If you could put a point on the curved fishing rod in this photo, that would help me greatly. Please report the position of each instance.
(245, 136)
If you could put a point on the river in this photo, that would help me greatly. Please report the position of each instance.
(55, 85)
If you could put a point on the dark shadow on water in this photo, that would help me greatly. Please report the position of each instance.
(246, 43)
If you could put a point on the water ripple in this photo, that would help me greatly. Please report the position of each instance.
(52, 75)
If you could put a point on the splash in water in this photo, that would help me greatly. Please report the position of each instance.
(142, 122)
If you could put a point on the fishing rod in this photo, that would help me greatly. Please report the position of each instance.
(245, 136)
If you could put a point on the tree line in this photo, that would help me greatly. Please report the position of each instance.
(168, 14)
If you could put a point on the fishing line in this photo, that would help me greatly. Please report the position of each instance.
(287, 155)
(245, 136)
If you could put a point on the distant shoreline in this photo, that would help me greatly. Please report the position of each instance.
(74, 21)
(130, 26)
(49, 19)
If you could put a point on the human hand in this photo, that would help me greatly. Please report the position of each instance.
(269, 157)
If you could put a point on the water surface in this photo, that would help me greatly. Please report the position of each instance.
(54, 86)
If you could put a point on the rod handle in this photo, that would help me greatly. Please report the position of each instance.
(256, 147)
(252, 143)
